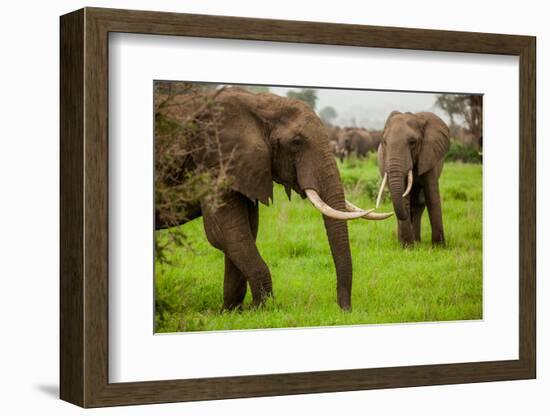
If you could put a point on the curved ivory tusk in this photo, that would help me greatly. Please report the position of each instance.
(375, 216)
(379, 197)
(352, 208)
(321, 205)
(409, 183)
(378, 216)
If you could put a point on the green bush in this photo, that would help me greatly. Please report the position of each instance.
(351, 177)
(360, 177)
(169, 296)
(461, 152)
(371, 187)
(457, 194)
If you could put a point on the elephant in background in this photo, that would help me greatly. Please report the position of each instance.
(410, 160)
(376, 136)
(269, 138)
(334, 133)
(358, 141)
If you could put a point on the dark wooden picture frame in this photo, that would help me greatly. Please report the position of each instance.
(84, 207)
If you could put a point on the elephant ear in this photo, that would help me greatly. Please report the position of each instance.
(251, 169)
(243, 138)
(435, 142)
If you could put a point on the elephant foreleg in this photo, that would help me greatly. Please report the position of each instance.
(253, 218)
(418, 204)
(405, 232)
(246, 257)
(416, 215)
(433, 202)
(404, 228)
(234, 286)
(232, 228)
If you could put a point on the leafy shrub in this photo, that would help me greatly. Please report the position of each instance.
(350, 177)
(457, 194)
(462, 152)
(371, 187)
(187, 123)
(352, 162)
(169, 293)
(355, 186)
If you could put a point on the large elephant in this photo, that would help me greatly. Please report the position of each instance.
(269, 138)
(410, 160)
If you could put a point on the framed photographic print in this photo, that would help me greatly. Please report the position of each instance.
(256, 207)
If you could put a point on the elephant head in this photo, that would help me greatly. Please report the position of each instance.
(412, 145)
(346, 140)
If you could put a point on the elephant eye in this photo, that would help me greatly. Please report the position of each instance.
(296, 142)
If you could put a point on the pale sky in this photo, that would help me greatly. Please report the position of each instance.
(369, 108)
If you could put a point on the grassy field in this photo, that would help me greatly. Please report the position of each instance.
(390, 284)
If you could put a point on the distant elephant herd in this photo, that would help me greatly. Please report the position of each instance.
(348, 141)
(279, 139)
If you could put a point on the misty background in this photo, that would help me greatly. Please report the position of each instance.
(367, 108)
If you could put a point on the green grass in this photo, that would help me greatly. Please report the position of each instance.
(390, 284)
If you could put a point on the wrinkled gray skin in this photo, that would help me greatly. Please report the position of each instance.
(419, 142)
(269, 138)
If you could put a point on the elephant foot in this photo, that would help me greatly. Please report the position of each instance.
(344, 301)
(407, 239)
(405, 233)
(229, 307)
(260, 299)
(408, 244)
(345, 306)
(438, 240)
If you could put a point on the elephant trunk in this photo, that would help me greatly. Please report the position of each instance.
(396, 185)
(332, 193)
